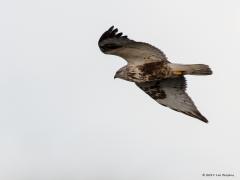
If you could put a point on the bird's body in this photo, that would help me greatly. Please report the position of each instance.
(145, 72)
(150, 69)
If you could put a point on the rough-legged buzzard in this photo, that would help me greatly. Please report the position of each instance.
(150, 69)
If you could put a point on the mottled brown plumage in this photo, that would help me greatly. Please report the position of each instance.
(155, 70)
(150, 69)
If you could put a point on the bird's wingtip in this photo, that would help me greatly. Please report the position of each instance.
(201, 117)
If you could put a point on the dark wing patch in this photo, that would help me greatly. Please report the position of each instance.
(153, 90)
(111, 40)
(171, 93)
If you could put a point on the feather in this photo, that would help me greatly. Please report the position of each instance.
(133, 52)
(171, 93)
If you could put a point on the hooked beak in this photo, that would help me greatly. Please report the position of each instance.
(116, 75)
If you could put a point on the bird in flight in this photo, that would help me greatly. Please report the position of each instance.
(149, 68)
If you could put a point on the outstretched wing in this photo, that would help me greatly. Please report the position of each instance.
(133, 52)
(171, 93)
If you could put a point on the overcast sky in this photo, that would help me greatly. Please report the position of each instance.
(64, 117)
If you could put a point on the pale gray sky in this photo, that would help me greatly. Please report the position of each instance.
(64, 117)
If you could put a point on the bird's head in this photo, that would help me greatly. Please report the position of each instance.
(121, 73)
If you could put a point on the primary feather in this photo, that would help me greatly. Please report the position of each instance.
(133, 52)
(172, 93)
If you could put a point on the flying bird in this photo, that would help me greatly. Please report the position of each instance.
(149, 68)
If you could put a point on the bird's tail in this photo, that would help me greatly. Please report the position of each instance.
(192, 69)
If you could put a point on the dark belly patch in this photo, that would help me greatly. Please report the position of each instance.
(154, 70)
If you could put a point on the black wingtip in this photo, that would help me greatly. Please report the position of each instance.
(204, 120)
(196, 115)
(108, 34)
(112, 32)
(201, 117)
(111, 28)
(112, 39)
